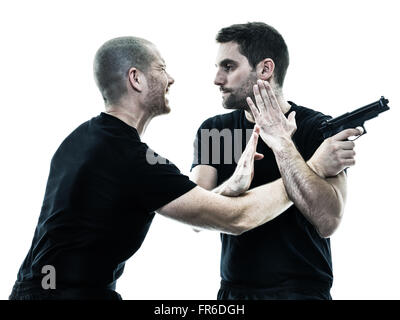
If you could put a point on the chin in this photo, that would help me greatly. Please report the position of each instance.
(164, 110)
(229, 107)
(233, 106)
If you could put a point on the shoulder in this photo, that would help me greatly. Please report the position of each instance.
(75, 139)
(101, 137)
(225, 120)
(307, 117)
(308, 136)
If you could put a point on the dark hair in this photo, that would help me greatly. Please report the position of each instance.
(113, 61)
(258, 41)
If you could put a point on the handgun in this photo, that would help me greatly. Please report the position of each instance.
(354, 119)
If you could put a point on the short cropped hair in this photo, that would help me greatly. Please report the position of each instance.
(113, 61)
(258, 41)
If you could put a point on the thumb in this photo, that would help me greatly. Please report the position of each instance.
(250, 150)
(291, 117)
(258, 156)
(255, 135)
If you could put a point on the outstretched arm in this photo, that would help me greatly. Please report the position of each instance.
(236, 214)
(276, 201)
(233, 215)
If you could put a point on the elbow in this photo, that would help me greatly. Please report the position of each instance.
(247, 216)
(241, 223)
(237, 231)
(330, 218)
(247, 220)
(233, 229)
(329, 225)
(239, 227)
(333, 216)
(326, 232)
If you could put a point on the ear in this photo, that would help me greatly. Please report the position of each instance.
(136, 79)
(265, 69)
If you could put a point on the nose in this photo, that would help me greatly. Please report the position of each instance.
(220, 79)
(170, 79)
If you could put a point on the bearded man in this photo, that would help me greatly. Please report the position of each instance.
(289, 257)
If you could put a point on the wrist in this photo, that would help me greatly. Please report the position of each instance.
(315, 167)
(224, 189)
(283, 145)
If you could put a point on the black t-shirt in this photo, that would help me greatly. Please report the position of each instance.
(99, 203)
(287, 251)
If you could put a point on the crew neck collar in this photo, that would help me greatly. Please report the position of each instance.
(121, 123)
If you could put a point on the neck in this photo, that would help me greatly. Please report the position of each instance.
(285, 106)
(130, 113)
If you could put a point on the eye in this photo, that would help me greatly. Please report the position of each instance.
(228, 67)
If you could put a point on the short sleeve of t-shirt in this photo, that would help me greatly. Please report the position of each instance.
(308, 131)
(203, 145)
(159, 180)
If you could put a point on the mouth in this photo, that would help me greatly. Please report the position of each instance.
(225, 92)
(165, 97)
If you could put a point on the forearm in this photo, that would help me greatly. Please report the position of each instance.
(228, 189)
(262, 204)
(265, 203)
(247, 211)
(316, 198)
(240, 214)
(235, 215)
(221, 189)
(257, 206)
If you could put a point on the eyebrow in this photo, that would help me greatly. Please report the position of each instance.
(161, 65)
(226, 61)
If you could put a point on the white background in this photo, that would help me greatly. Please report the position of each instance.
(344, 54)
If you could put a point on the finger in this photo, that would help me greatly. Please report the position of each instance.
(254, 153)
(258, 156)
(253, 109)
(251, 145)
(256, 131)
(264, 95)
(255, 136)
(349, 162)
(361, 129)
(347, 154)
(345, 134)
(346, 145)
(259, 100)
(250, 150)
(271, 95)
(292, 117)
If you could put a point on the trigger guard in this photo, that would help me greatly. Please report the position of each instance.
(364, 132)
